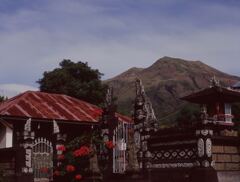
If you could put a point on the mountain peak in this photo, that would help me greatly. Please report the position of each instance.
(167, 59)
(131, 73)
(165, 81)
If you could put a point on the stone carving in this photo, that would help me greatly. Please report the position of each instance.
(28, 136)
(209, 147)
(93, 161)
(214, 82)
(204, 132)
(109, 97)
(27, 126)
(145, 122)
(200, 147)
(137, 140)
(197, 164)
(55, 127)
(174, 143)
(139, 88)
(212, 163)
(173, 165)
(205, 163)
(174, 154)
(132, 157)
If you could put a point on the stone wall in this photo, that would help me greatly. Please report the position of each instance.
(7, 164)
(227, 158)
(230, 176)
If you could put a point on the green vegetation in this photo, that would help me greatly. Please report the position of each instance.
(189, 115)
(3, 98)
(74, 79)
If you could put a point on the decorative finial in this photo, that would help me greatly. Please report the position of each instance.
(109, 97)
(142, 100)
(150, 112)
(55, 127)
(139, 87)
(27, 126)
(214, 82)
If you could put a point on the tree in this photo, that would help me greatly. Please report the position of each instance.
(3, 98)
(74, 79)
(189, 115)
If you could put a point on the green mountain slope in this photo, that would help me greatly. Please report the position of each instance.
(165, 82)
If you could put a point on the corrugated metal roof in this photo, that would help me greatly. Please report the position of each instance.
(40, 105)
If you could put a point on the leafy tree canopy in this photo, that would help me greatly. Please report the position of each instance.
(3, 98)
(74, 79)
(189, 115)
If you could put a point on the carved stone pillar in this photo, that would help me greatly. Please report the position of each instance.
(60, 140)
(204, 171)
(108, 124)
(204, 148)
(24, 156)
(145, 123)
(28, 138)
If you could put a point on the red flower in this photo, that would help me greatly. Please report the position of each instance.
(70, 168)
(44, 170)
(61, 148)
(78, 177)
(56, 173)
(83, 151)
(109, 144)
(60, 157)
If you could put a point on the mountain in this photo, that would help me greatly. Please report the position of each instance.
(165, 82)
(10, 90)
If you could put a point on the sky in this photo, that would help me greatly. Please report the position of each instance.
(115, 35)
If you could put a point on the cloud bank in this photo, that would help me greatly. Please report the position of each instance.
(11, 90)
(114, 35)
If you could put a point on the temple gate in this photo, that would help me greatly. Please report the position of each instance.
(42, 158)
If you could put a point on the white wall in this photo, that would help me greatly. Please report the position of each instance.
(9, 137)
(6, 135)
(2, 136)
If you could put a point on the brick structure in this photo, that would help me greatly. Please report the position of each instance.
(207, 151)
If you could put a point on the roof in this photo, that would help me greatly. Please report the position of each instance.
(214, 94)
(236, 85)
(41, 105)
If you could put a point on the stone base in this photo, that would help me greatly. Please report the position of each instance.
(170, 175)
(24, 178)
(228, 176)
(126, 177)
(203, 175)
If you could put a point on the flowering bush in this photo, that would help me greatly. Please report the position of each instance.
(83, 151)
(109, 144)
(61, 148)
(61, 157)
(73, 158)
(56, 173)
(78, 177)
(70, 168)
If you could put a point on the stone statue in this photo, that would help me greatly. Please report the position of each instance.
(55, 127)
(27, 126)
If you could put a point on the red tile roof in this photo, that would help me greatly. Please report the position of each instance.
(40, 105)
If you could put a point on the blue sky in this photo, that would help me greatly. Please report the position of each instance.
(114, 35)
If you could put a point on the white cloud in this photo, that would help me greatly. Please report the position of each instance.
(10, 90)
(114, 37)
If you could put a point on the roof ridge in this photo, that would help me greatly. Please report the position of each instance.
(13, 100)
